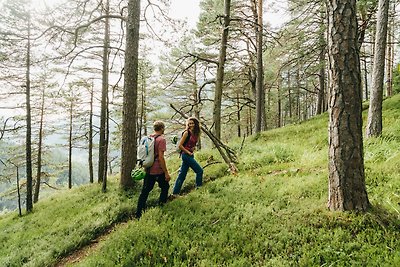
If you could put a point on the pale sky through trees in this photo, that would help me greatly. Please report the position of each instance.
(189, 10)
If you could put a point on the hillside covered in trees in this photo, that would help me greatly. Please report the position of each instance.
(273, 213)
(82, 81)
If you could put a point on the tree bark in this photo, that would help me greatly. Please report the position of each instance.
(103, 145)
(260, 93)
(322, 66)
(374, 122)
(29, 203)
(71, 112)
(90, 137)
(279, 116)
(103, 153)
(220, 71)
(129, 112)
(347, 189)
(39, 159)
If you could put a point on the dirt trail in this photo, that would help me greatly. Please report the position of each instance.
(77, 255)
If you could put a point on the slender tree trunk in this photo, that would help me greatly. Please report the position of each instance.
(389, 67)
(390, 53)
(39, 160)
(365, 75)
(279, 107)
(71, 112)
(298, 82)
(260, 93)
(29, 203)
(249, 122)
(347, 189)
(290, 94)
(18, 191)
(103, 146)
(129, 113)
(239, 129)
(90, 141)
(220, 71)
(322, 66)
(104, 185)
(374, 124)
(104, 96)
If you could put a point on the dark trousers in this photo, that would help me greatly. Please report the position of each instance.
(148, 185)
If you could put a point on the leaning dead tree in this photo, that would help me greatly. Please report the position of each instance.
(226, 152)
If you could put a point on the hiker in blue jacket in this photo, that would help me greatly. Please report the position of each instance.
(187, 146)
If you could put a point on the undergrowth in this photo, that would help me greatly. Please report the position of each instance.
(273, 213)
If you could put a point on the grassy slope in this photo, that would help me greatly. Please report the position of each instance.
(272, 214)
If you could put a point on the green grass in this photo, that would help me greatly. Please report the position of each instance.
(273, 213)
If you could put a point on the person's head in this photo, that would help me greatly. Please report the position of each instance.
(193, 124)
(159, 126)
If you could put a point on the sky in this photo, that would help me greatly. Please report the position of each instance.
(189, 10)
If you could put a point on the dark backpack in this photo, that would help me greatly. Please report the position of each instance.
(176, 140)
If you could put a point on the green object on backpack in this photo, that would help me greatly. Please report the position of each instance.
(138, 174)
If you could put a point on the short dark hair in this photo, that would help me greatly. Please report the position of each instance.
(158, 126)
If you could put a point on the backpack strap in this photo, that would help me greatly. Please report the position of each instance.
(187, 137)
(186, 140)
(155, 155)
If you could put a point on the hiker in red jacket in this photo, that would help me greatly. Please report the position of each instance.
(158, 172)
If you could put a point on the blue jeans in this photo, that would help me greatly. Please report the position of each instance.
(188, 161)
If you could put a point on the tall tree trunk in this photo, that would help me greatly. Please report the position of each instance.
(129, 113)
(29, 203)
(90, 137)
(374, 122)
(71, 112)
(347, 189)
(104, 98)
(103, 146)
(220, 71)
(260, 93)
(39, 159)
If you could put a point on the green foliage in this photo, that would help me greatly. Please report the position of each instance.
(272, 213)
(61, 224)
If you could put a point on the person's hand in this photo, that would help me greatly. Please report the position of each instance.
(167, 177)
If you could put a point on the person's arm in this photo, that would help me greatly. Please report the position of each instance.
(182, 141)
(163, 165)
